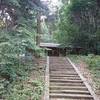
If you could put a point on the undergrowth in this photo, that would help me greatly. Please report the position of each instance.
(93, 65)
(93, 62)
(23, 87)
(31, 90)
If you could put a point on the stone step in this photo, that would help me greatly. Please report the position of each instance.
(63, 62)
(60, 65)
(63, 72)
(66, 84)
(53, 75)
(68, 88)
(61, 68)
(66, 80)
(66, 99)
(70, 92)
(71, 78)
(72, 96)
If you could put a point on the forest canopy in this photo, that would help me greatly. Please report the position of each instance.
(79, 25)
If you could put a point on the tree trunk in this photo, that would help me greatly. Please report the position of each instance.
(38, 29)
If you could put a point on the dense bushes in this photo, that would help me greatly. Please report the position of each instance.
(17, 38)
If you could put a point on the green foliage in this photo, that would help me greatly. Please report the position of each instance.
(20, 94)
(43, 67)
(17, 48)
(92, 64)
(91, 61)
(66, 32)
(3, 84)
(37, 84)
(16, 2)
(78, 26)
(32, 90)
(45, 31)
(75, 58)
(17, 39)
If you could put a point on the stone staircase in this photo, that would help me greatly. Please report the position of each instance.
(66, 83)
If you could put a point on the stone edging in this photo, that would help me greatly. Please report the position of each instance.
(46, 92)
(84, 80)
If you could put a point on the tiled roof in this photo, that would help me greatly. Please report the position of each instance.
(49, 44)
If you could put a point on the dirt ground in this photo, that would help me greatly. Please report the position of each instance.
(81, 65)
(38, 76)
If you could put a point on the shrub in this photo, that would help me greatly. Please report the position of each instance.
(91, 61)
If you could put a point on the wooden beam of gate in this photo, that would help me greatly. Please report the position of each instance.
(38, 28)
